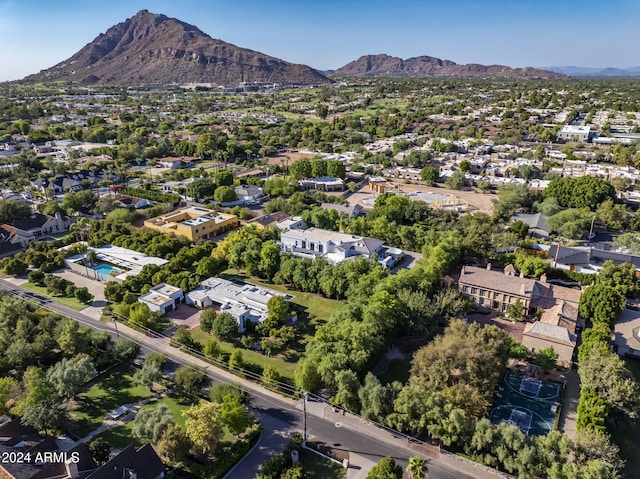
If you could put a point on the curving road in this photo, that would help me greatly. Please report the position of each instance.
(279, 415)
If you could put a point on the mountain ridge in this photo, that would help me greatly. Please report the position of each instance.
(595, 71)
(153, 48)
(383, 65)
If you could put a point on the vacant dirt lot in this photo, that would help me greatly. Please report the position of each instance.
(480, 201)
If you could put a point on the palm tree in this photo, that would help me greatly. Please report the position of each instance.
(92, 258)
(417, 468)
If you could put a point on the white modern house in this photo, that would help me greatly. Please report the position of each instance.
(244, 301)
(333, 246)
(162, 298)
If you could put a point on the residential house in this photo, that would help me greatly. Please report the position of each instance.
(588, 259)
(498, 290)
(34, 227)
(581, 133)
(133, 203)
(162, 298)
(16, 438)
(249, 194)
(193, 223)
(292, 223)
(538, 336)
(245, 302)
(130, 463)
(333, 246)
(352, 211)
(324, 183)
(172, 163)
(537, 223)
(268, 221)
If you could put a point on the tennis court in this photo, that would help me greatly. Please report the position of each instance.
(526, 402)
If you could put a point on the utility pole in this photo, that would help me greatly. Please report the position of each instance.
(304, 418)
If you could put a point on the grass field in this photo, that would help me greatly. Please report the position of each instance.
(107, 393)
(72, 303)
(318, 467)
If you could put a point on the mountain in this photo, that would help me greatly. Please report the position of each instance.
(149, 49)
(595, 72)
(425, 66)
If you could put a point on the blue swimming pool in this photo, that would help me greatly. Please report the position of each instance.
(104, 270)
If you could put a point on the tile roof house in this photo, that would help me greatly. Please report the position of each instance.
(537, 224)
(269, 221)
(497, 290)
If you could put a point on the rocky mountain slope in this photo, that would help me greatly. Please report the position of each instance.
(149, 49)
(425, 66)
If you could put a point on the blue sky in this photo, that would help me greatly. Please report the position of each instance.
(37, 34)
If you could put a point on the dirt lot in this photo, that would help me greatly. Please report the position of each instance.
(479, 201)
(277, 160)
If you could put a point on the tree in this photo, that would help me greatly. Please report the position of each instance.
(148, 375)
(67, 376)
(204, 426)
(456, 180)
(83, 295)
(224, 178)
(385, 469)
(278, 310)
(613, 215)
(601, 304)
(236, 360)
(15, 266)
(125, 349)
(300, 169)
(72, 339)
(621, 277)
(9, 389)
(11, 210)
(207, 318)
(150, 423)
(546, 359)
(201, 188)
(225, 327)
(235, 416)
(531, 266)
(269, 259)
(225, 194)
(417, 468)
(100, 450)
(173, 444)
(306, 375)
(270, 376)
(46, 415)
(212, 349)
(430, 175)
(516, 310)
(189, 379)
(336, 169)
(347, 393)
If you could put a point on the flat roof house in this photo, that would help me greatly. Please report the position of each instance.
(244, 301)
(162, 298)
(193, 223)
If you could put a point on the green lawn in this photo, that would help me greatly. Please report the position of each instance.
(285, 362)
(72, 303)
(317, 467)
(627, 437)
(107, 393)
(121, 437)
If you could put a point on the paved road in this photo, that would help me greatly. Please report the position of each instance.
(280, 416)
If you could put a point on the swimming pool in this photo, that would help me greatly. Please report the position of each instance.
(104, 270)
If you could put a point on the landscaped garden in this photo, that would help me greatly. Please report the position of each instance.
(107, 392)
